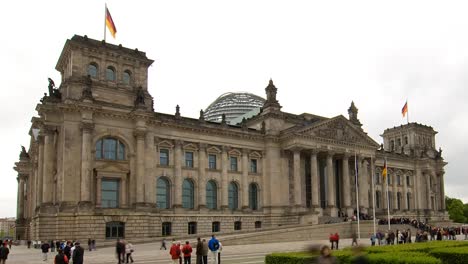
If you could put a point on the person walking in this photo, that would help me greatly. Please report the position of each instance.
(219, 252)
(205, 252)
(187, 251)
(4, 251)
(45, 250)
(163, 244)
(354, 239)
(199, 251)
(78, 254)
(372, 239)
(120, 250)
(60, 258)
(129, 251)
(213, 245)
(174, 252)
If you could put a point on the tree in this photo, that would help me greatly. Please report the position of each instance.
(465, 210)
(455, 209)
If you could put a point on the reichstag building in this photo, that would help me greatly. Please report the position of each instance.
(103, 164)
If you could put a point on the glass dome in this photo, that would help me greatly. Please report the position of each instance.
(232, 105)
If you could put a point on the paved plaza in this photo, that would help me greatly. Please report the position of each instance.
(150, 253)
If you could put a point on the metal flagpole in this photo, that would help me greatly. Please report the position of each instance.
(373, 192)
(357, 195)
(388, 200)
(105, 18)
(407, 111)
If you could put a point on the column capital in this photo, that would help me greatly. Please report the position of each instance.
(314, 152)
(139, 134)
(87, 127)
(346, 155)
(48, 129)
(330, 154)
(224, 148)
(202, 146)
(178, 143)
(245, 151)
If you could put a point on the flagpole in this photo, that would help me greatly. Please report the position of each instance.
(105, 15)
(373, 193)
(357, 195)
(388, 200)
(407, 111)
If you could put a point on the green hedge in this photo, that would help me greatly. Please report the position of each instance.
(435, 252)
(451, 255)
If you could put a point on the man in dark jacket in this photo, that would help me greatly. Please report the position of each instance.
(45, 250)
(60, 258)
(199, 252)
(120, 250)
(78, 254)
(67, 250)
(4, 251)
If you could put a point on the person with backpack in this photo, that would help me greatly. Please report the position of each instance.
(213, 245)
(4, 251)
(187, 251)
(60, 258)
(175, 252)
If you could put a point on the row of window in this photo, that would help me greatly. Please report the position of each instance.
(392, 142)
(212, 161)
(93, 71)
(188, 195)
(114, 149)
(117, 229)
(379, 205)
(110, 194)
(378, 179)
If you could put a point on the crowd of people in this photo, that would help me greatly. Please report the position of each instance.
(124, 250)
(180, 252)
(66, 251)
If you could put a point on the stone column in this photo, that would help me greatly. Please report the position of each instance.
(48, 165)
(297, 178)
(331, 185)
(98, 191)
(201, 176)
(417, 189)
(363, 186)
(140, 165)
(245, 181)
(40, 171)
(178, 174)
(346, 186)
(86, 173)
(315, 180)
(123, 192)
(442, 191)
(224, 178)
(405, 193)
(20, 203)
(428, 190)
(150, 164)
(395, 192)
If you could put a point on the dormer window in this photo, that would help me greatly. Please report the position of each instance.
(110, 73)
(93, 70)
(126, 77)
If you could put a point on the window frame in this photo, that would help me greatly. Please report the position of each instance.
(254, 165)
(253, 197)
(95, 65)
(233, 196)
(212, 199)
(189, 162)
(124, 80)
(233, 163)
(215, 226)
(120, 229)
(117, 193)
(114, 74)
(237, 225)
(166, 229)
(192, 228)
(167, 194)
(101, 153)
(190, 203)
(167, 160)
(212, 162)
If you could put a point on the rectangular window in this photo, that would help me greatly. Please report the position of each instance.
(399, 142)
(164, 157)
(388, 179)
(166, 229)
(115, 230)
(258, 224)
(109, 193)
(215, 227)
(212, 161)
(192, 228)
(253, 165)
(377, 178)
(392, 145)
(233, 163)
(189, 159)
(237, 225)
(406, 140)
(398, 179)
(408, 181)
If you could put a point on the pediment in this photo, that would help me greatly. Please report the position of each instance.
(255, 154)
(338, 129)
(165, 144)
(190, 146)
(234, 152)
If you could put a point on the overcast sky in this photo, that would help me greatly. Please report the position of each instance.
(321, 55)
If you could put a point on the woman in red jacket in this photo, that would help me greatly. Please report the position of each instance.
(187, 251)
(175, 252)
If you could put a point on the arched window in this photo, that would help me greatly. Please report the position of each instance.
(110, 73)
(162, 193)
(187, 194)
(211, 195)
(93, 70)
(233, 198)
(110, 149)
(253, 196)
(126, 77)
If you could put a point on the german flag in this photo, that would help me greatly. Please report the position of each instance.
(110, 23)
(404, 110)
(384, 171)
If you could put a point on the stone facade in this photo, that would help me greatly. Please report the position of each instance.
(102, 163)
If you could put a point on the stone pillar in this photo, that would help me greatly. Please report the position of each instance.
(40, 171)
(48, 165)
(417, 190)
(405, 193)
(201, 176)
(331, 185)
(244, 180)
(224, 178)
(346, 186)
(150, 164)
(297, 178)
(123, 192)
(140, 165)
(20, 203)
(363, 186)
(315, 180)
(428, 191)
(178, 174)
(442, 191)
(98, 191)
(86, 158)
(395, 192)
